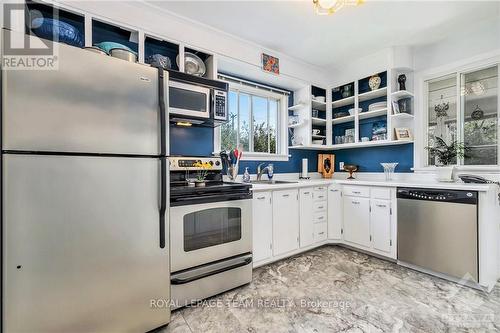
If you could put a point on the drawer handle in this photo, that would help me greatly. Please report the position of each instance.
(261, 198)
(286, 195)
(320, 188)
(322, 233)
(356, 192)
(381, 206)
(320, 217)
(355, 202)
(306, 192)
(321, 196)
(320, 207)
(334, 190)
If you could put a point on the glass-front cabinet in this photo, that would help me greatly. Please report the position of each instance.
(462, 110)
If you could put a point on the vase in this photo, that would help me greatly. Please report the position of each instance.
(402, 82)
(445, 173)
(200, 183)
(374, 82)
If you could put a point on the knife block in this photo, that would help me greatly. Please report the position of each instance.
(326, 165)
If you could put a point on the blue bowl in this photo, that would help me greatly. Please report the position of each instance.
(57, 30)
(108, 46)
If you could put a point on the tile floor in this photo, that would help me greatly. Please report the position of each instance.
(333, 289)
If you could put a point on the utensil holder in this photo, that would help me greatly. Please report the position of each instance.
(232, 172)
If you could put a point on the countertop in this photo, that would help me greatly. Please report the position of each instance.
(373, 182)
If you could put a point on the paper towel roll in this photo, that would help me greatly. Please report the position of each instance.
(304, 168)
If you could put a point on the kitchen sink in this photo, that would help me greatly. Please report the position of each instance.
(271, 182)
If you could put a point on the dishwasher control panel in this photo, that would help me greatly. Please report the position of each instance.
(469, 197)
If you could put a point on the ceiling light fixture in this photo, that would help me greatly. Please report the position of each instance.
(327, 7)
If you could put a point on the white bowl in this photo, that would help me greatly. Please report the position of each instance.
(321, 99)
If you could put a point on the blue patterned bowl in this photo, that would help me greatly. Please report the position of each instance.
(58, 30)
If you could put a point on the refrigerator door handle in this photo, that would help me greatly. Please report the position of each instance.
(163, 198)
(163, 116)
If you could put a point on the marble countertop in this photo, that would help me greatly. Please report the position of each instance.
(375, 182)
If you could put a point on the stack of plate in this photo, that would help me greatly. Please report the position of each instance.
(377, 106)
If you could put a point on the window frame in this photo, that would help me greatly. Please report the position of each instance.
(456, 69)
(282, 119)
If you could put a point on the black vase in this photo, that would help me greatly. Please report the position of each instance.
(402, 82)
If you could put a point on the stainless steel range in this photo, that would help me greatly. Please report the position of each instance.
(210, 232)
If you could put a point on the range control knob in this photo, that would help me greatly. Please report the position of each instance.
(217, 163)
(211, 163)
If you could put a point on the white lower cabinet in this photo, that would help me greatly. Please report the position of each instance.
(285, 221)
(357, 220)
(380, 220)
(320, 232)
(334, 213)
(306, 216)
(262, 226)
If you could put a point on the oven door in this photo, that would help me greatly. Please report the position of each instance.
(203, 233)
(189, 100)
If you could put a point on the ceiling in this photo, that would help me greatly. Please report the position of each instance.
(292, 27)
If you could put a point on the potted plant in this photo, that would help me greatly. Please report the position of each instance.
(201, 174)
(446, 155)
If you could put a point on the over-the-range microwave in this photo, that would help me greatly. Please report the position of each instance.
(196, 100)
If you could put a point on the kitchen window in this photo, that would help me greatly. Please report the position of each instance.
(255, 117)
(462, 108)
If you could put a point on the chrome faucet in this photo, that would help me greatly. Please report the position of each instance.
(261, 171)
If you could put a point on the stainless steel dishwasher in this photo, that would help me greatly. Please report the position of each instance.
(438, 232)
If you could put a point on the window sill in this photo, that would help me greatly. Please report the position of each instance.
(462, 168)
(261, 157)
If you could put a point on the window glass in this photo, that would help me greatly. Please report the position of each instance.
(244, 129)
(229, 130)
(480, 113)
(260, 125)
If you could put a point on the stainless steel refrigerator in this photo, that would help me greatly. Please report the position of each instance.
(84, 194)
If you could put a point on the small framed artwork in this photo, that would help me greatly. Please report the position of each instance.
(395, 107)
(403, 134)
(270, 64)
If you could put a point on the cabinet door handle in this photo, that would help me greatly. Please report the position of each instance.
(320, 217)
(286, 195)
(320, 207)
(322, 233)
(355, 202)
(334, 190)
(307, 192)
(320, 188)
(381, 206)
(320, 196)
(261, 198)
(356, 192)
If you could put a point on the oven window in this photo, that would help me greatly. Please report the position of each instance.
(187, 99)
(211, 227)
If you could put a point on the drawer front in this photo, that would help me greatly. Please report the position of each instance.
(318, 189)
(383, 193)
(320, 193)
(320, 206)
(357, 191)
(320, 232)
(320, 217)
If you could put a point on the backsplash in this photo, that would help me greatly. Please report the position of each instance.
(198, 141)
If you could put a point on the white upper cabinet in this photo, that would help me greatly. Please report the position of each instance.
(306, 217)
(334, 213)
(262, 226)
(285, 221)
(380, 218)
(357, 220)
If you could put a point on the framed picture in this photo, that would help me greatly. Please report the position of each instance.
(395, 107)
(403, 133)
(270, 64)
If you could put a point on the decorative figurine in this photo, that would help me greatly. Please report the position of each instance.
(402, 82)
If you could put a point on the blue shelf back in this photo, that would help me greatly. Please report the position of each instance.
(369, 159)
(155, 46)
(103, 32)
(363, 84)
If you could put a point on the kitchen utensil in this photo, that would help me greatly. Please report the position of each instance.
(351, 169)
(123, 54)
(95, 49)
(193, 64)
(389, 169)
(58, 30)
(158, 60)
(374, 82)
(107, 46)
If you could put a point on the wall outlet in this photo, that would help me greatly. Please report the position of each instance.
(341, 165)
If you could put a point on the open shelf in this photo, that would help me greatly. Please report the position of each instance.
(401, 94)
(342, 120)
(314, 136)
(321, 106)
(296, 107)
(318, 121)
(312, 147)
(369, 144)
(157, 46)
(374, 113)
(343, 102)
(373, 94)
(403, 116)
(302, 123)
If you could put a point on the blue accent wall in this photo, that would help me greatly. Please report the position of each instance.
(369, 159)
(191, 141)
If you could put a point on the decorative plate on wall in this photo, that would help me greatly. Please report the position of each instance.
(270, 64)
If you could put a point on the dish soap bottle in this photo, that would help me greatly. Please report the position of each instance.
(246, 176)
